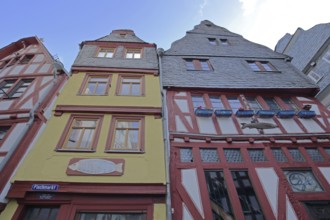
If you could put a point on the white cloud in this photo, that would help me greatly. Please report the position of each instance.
(201, 7)
(266, 21)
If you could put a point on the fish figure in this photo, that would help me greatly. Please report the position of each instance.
(258, 125)
(96, 166)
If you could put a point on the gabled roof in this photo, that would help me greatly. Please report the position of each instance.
(123, 35)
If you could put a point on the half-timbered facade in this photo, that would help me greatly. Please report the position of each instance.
(247, 139)
(102, 154)
(30, 79)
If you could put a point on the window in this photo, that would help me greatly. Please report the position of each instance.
(291, 105)
(81, 133)
(216, 102)
(213, 41)
(126, 134)
(14, 88)
(326, 56)
(3, 131)
(261, 66)
(316, 77)
(234, 103)
(253, 103)
(40, 213)
(296, 155)
(186, 155)
(247, 197)
(26, 59)
(233, 155)
(209, 155)
(131, 85)
(198, 64)
(314, 154)
(218, 195)
(133, 54)
(302, 181)
(198, 101)
(96, 85)
(257, 155)
(106, 53)
(279, 155)
(223, 41)
(272, 104)
(318, 209)
(110, 216)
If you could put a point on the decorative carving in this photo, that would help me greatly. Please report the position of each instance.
(100, 166)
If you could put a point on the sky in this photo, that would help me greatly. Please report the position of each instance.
(64, 24)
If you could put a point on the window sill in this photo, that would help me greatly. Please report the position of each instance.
(125, 151)
(75, 150)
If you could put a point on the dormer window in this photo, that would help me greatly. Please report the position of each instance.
(106, 52)
(133, 54)
(261, 66)
(213, 41)
(223, 41)
(198, 64)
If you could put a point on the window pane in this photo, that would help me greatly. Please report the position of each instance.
(131, 80)
(254, 66)
(279, 155)
(186, 155)
(257, 155)
(218, 195)
(101, 54)
(110, 216)
(272, 104)
(296, 155)
(133, 139)
(233, 155)
(41, 213)
(302, 181)
(3, 131)
(198, 101)
(137, 55)
(290, 104)
(204, 65)
(249, 203)
(74, 138)
(120, 136)
(109, 54)
(90, 88)
(87, 138)
(190, 65)
(216, 102)
(129, 55)
(267, 66)
(224, 41)
(209, 155)
(135, 89)
(125, 89)
(314, 154)
(253, 103)
(234, 103)
(101, 88)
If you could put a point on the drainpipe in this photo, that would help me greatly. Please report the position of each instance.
(160, 53)
(9, 154)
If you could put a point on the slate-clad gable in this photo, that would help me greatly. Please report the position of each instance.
(87, 56)
(303, 45)
(230, 69)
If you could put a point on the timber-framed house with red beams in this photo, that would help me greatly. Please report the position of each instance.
(247, 138)
(30, 79)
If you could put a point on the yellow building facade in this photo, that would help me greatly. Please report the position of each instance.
(101, 155)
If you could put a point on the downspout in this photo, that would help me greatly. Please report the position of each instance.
(160, 53)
